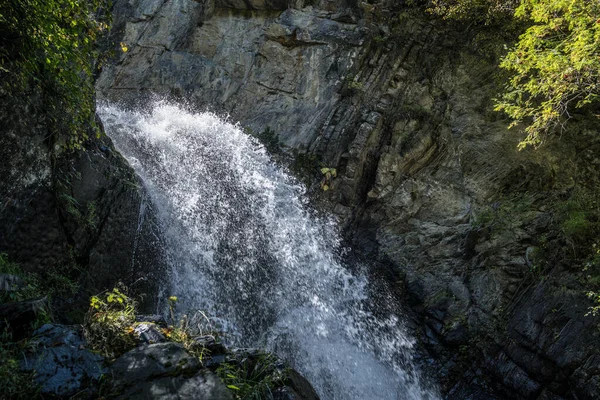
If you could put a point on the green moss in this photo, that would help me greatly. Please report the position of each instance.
(506, 213)
(579, 217)
(414, 111)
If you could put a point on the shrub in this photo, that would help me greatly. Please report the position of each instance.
(482, 11)
(109, 323)
(555, 65)
(48, 46)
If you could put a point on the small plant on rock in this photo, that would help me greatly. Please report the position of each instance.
(108, 325)
(329, 174)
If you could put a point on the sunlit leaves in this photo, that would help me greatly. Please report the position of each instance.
(555, 65)
(485, 11)
(329, 174)
(48, 45)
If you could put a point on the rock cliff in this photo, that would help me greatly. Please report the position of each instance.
(82, 214)
(429, 180)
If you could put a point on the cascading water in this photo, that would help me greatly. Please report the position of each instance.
(242, 245)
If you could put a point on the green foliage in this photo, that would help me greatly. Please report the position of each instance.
(555, 65)
(253, 378)
(579, 220)
(15, 384)
(329, 174)
(8, 267)
(108, 325)
(353, 85)
(306, 167)
(188, 329)
(52, 282)
(48, 46)
(29, 286)
(594, 310)
(481, 11)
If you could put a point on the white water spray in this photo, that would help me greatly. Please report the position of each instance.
(242, 245)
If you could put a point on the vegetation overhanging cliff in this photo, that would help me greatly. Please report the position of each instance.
(496, 249)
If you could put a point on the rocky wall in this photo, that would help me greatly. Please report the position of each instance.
(430, 182)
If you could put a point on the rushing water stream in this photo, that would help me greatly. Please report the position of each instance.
(242, 245)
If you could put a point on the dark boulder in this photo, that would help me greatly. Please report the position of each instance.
(19, 317)
(164, 371)
(62, 365)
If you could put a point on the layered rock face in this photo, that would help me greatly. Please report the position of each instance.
(429, 181)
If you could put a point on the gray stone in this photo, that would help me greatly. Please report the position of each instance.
(420, 158)
(62, 365)
(153, 360)
(164, 371)
(149, 333)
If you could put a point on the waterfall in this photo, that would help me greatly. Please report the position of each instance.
(243, 245)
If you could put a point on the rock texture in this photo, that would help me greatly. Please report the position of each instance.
(84, 212)
(430, 183)
(62, 366)
(164, 371)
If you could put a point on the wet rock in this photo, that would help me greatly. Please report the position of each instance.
(62, 365)
(296, 388)
(149, 333)
(202, 385)
(209, 343)
(164, 371)
(61, 208)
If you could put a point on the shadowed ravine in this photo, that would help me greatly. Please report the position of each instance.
(242, 246)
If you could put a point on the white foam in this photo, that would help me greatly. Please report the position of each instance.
(243, 247)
